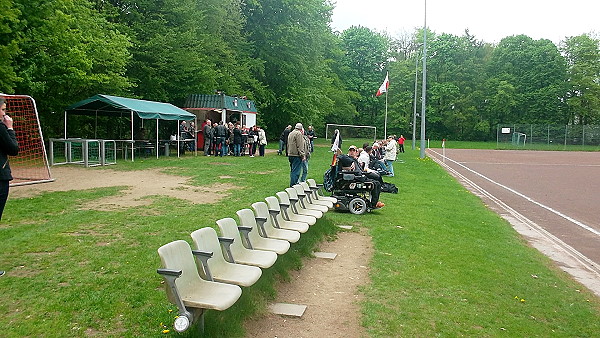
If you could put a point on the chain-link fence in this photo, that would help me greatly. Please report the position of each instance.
(551, 137)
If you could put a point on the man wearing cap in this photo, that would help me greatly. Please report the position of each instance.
(296, 149)
(349, 163)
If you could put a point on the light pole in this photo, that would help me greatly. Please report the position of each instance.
(414, 122)
(424, 90)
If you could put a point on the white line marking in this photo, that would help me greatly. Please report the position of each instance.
(556, 212)
(533, 164)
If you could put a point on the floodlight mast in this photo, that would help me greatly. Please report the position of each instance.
(414, 121)
(424, 90)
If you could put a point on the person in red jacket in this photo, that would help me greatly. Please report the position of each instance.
(401, 143)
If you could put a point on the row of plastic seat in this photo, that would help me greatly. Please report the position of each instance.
(235, 259)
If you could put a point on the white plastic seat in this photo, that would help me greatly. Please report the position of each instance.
(296, 221)
(314, 186)
(295, 202)
(261, 211)
(304, 200)
(185, 287)
(310, 196)
(241, 254)
(275, 204)
(294, 206)
(256, 241)
(216, 267)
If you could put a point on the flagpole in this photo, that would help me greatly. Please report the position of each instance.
(386, 113)
(384, 89)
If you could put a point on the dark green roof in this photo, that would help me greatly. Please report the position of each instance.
(109, 105)
(220, 101)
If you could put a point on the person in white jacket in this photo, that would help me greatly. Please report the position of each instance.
(262, 141)
(390, 155)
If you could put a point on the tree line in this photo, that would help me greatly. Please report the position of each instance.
(286, 57)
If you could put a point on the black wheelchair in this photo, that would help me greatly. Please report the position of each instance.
(352, 190)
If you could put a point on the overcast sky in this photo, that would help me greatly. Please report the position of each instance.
(488, 20)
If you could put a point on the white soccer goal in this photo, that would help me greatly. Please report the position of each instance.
(350, 131)
(31, 165)
(519, 139)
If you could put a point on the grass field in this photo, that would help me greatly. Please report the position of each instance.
(444, 265)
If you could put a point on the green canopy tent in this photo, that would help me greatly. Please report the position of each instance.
(106, 105)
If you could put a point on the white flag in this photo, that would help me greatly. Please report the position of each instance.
(384, 86)
(336, 143)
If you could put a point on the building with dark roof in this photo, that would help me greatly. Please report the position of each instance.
(220, 107)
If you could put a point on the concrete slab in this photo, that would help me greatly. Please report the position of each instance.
(325, 255)
(292, 310)
(346, 227)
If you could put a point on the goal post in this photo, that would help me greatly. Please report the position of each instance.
(31, 164)
(519, 139)
(351, 131)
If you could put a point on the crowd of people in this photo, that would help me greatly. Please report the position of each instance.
(231, 139)
(371, 161)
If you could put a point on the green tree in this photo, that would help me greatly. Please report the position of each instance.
(406, 59)
(168, 59)
(583, 97)
(184, 47)
(228, 47)
(537, 71)
(69, 52)
(366, 59)
(291, 37)
(455, 77)
(343, 111)
(9, 44)
(500, 101)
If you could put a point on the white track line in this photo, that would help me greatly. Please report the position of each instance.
(533, 164)
(572, 252)
(556, 212)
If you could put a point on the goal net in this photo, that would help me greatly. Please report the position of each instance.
(519, 139)
(352, 133)
(31, 164)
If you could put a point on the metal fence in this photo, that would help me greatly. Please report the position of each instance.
(548, 136)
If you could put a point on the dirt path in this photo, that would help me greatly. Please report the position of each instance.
(328, 287)
(330, 290)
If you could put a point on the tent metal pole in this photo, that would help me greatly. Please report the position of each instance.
(65, 124)
(178, 136)
(156, 149)
(132, 141)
